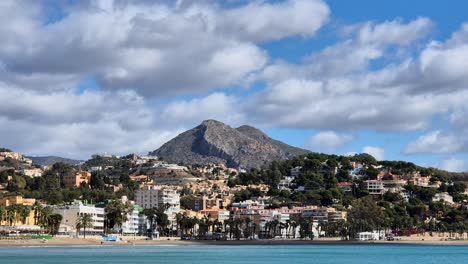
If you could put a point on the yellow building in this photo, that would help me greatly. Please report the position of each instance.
(18, 200)
(76, 179)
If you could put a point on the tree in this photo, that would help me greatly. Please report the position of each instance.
(55, 221)
(364, 215)
(84, 221)
(24, 211)
(37, 207)
(150, 214)
(10, 215)
(117, 213)
(3, 213)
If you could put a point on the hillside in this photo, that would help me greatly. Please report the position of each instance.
(51, 160)
(215, 142)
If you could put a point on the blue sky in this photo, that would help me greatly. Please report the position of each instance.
(116, 76)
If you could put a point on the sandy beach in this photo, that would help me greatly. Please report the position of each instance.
(60, 241)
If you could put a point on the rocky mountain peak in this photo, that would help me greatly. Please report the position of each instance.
(215, 142)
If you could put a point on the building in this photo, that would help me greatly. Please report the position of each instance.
(216, 214)
(335, 215)
(365, 236)
(71, 214)
(375, 186)
(210, 202)
(132, 225)
(153, 196)
(18, 200)
(32, 172)
(319, 214)
(296, 171)
(286, 183)
(443, 197)
(346, 187)
(77, 179)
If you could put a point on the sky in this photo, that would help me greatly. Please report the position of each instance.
(388, 78)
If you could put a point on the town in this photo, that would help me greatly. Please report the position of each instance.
(310, 197)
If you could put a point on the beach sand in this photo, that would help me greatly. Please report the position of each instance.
(62, 241)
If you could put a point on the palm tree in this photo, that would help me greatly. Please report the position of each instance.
(162, 219)
(274, 225)
(3, 213)
(117, 214)
(10, 215)
(24, 211)
(37, 208)
(179, 219)
(237, 225)
(55, 221)
(83, 222)
(150, 214)
(44, 217)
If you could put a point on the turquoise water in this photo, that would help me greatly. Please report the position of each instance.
(381, 254)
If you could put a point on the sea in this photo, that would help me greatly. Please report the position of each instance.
(349, 254)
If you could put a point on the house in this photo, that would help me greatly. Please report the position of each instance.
(77, 179)
(296, 171)
(286, 183)
(335, 215)
(141, 179)
(216, 214)
(346, 187)
(32, 172)
(357, 173)
(95, 168)
(443, 197)
(374, 186)
(209, 202)
(365, 236)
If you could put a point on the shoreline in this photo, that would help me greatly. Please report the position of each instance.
(74, 242)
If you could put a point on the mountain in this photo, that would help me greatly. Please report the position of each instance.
(51, 160)
(216, 142)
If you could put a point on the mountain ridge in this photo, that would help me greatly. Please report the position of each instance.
(215, 142)
(51, 160)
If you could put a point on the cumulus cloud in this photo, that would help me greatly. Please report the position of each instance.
(214, 106)
(328, 141)
(155, 48)
(434, 142)
(386, 76)
(72, 125)
(376, 152)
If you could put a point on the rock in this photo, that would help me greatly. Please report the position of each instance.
(215, 142)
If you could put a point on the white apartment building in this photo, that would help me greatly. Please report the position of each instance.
(443, 197)
(375, 186)
(71, 213)
(286, 183)
(131, 226)
(318, 214)
(153, 196)
(32, 172)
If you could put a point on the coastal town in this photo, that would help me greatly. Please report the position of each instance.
(311, 197)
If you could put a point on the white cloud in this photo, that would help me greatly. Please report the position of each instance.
(376, 152)
(434, 142)
(260, 22)
(155, 48)
(454, 165)
(328, 141)
(214, 106)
